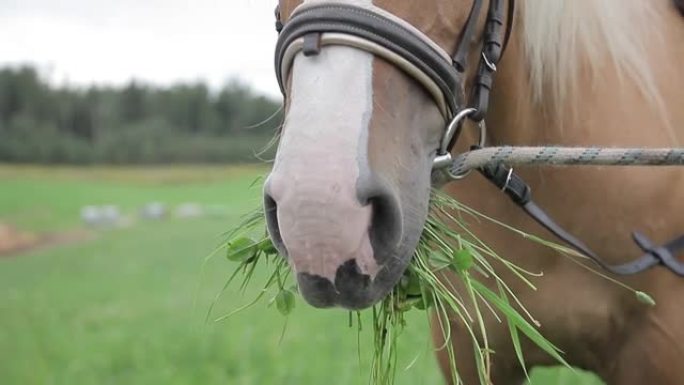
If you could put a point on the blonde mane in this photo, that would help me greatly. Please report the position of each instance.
(564, 40)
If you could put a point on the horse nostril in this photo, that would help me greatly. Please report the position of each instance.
(271, 213)
(386, 226)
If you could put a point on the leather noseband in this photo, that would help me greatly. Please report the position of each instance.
(388, 36)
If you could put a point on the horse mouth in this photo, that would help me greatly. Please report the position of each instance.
(351, 289)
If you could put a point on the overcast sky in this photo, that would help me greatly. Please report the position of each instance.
(157, 41)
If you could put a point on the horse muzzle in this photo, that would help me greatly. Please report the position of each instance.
(340, 238)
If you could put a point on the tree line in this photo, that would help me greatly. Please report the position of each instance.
(135, 123)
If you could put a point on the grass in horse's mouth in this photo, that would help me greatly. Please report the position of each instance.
(441, 249)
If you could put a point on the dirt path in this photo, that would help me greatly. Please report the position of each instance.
(14, 242)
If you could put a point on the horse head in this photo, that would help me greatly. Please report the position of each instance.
(349, 192)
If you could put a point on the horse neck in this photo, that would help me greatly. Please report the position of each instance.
(609, 109)
(609, 103)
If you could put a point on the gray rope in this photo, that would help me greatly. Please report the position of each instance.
(567, 156)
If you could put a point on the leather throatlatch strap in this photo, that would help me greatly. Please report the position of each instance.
(521, 194)
(460, 57)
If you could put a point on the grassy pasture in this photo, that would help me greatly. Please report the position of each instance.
(128, 306)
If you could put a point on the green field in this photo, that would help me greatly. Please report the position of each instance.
(128, 305)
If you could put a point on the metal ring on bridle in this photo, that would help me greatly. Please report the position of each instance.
(453, 128)
(481, 144)
(443, 158)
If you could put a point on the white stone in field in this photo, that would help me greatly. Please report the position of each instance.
(90, 215)
(189, 210)
(111, 215)
(101, 216)
(154, 211)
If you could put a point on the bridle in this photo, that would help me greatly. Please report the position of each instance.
(371, 29)
(385, 35)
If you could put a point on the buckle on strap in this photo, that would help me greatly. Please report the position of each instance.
(665, 254)
(509, 182)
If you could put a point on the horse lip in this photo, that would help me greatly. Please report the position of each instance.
(351, 290)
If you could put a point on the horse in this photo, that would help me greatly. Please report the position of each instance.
(349, 192)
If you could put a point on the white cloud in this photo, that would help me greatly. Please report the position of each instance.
(158, 41)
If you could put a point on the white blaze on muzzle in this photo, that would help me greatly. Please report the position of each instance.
(321, 157)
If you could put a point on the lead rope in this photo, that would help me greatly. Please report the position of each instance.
(492, 163)
(566, 156)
